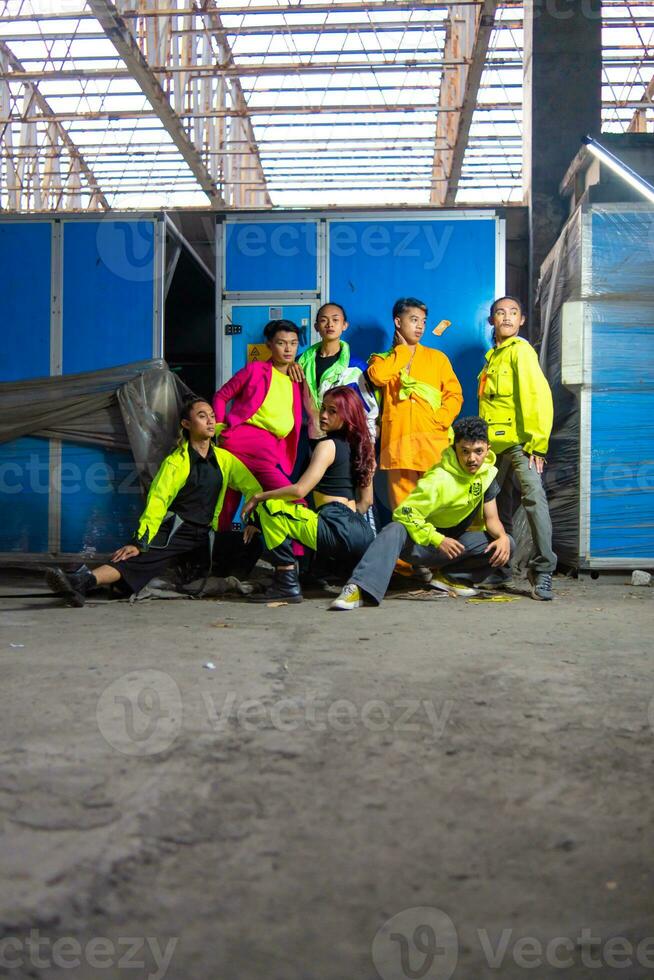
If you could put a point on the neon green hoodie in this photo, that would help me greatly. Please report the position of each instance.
(171, 477)
(515, 398)
(444, 497)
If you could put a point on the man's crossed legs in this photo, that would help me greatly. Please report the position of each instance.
(373, 573)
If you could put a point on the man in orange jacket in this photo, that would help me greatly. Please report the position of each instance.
(421, 399)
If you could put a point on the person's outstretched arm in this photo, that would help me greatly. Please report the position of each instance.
(322, 458)
(365, 498)
(161, 494)
(240, 478)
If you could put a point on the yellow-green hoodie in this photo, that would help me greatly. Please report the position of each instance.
(515, 398)
(444, 497)
(171, 477)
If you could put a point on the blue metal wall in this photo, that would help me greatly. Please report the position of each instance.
(25, 256)
(24, 495)
(622, 398)
(273, 256)
(449, 265)
(108, 293)
(108, 271)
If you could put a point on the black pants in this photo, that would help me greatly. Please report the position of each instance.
(343, 536)
(138, 571)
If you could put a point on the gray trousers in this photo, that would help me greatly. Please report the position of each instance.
(373, 573)
(513, 473)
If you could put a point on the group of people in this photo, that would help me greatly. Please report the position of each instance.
(451, 483)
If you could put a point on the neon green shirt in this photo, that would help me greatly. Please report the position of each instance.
(276, 411)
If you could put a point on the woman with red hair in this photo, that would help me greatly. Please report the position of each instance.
(340, 476)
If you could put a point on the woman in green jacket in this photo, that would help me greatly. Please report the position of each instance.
(182, 508)
(516, 402)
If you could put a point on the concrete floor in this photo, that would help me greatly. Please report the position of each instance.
(426, 790)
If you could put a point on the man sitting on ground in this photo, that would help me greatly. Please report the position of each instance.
(449, 521)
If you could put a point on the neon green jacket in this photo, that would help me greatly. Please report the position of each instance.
(444, 497)
(171, 477)
(515, 398)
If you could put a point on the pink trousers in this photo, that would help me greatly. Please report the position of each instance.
(261, 452)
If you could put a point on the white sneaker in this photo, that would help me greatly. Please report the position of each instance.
(445, 584)
(350, 598)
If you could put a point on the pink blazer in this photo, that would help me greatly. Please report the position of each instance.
(247, 391)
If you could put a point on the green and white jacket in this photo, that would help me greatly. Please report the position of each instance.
(342, 372)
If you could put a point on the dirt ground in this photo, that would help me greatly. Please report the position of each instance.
(425, 790)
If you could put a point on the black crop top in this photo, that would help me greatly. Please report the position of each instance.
(338, 480)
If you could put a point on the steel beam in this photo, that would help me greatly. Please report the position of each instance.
(468, 36)
(638, 123)
(125, 44)
(257, 193)
(382, 109)
(49, 183)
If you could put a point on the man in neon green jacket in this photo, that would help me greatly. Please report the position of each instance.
(449, 521)
(182, 509)
(516, 402)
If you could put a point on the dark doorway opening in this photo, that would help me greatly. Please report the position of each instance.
(190, 334)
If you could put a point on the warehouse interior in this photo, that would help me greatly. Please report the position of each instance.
(193, 786)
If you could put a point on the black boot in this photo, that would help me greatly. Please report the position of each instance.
(72, 586)
(285, 587)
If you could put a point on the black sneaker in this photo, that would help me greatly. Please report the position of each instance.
(541, 586)
(72, 586)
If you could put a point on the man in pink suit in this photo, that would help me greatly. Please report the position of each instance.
(262, 428)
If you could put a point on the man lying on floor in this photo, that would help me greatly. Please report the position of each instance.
(182, 510)
(449, 522)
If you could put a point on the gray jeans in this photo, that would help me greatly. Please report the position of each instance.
(373, 573)
(513, 473)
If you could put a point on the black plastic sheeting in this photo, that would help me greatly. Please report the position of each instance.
(133, 407)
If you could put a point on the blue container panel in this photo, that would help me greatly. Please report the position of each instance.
(623, 349)
(271, 255)
(622, 243)
(622, 475)
(449, 265)
(25, 260)
(24, 495)
(252, 320)
(101, 500)
(108, 308)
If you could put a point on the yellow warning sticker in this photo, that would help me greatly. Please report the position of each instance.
(258, 352)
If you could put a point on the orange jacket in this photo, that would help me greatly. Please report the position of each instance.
(413, 435)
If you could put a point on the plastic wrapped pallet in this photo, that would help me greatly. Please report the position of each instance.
(597, 350)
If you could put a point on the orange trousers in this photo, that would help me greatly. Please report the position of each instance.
(400, 485)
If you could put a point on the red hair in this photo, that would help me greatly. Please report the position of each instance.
(355, 428)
